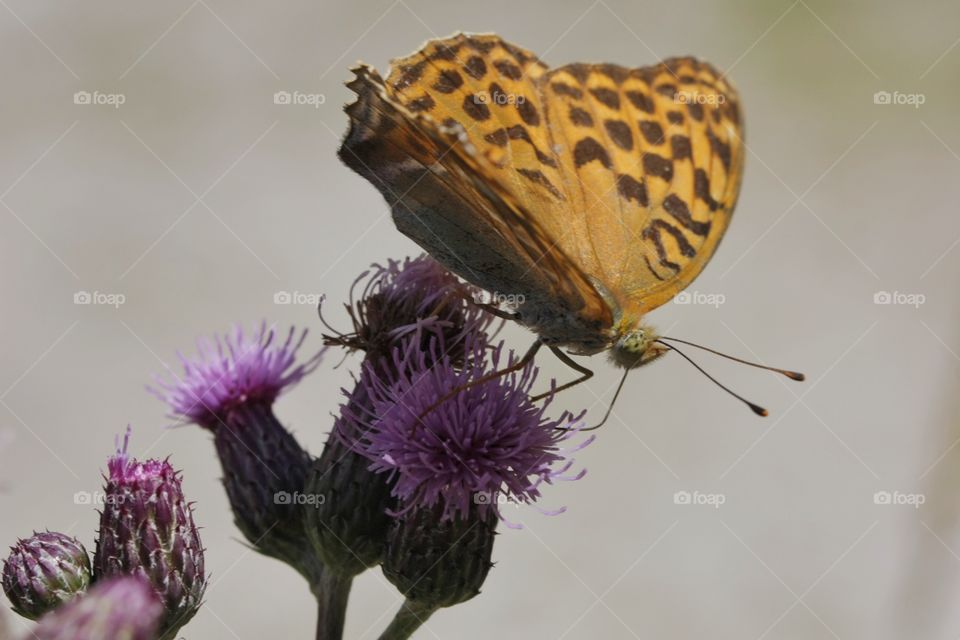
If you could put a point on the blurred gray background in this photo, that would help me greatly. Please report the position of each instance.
(199, 199)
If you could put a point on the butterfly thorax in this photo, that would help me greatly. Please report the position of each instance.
(636, 346)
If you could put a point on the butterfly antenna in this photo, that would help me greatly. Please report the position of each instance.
(793, 375)
(757, 409)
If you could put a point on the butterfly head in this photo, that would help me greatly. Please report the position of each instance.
(636, 347)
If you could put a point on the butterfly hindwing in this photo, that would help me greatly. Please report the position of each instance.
(657, 153)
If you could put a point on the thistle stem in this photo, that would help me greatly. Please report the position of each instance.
(409, 618)
(332, 592)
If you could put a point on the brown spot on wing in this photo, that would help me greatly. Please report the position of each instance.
(423, 103)
(619, 132)
(475, 67)
(657, 165)
(588, 150)
(508, 70)
(640, 100)
(537, 176)
(448, 81)
(580, 117)
(632, 189)
(564, 89)
(475, 107)
(607, 97)
(528, 112)
(676, 207)
(680, 146)
(652, 131)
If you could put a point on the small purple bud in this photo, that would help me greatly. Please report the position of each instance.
(121, 608)
(44, 571)
(147, 530)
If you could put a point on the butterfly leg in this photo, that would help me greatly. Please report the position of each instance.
(517, 366)
(496, 311)
(585, 374)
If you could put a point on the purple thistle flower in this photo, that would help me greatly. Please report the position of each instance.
(44, 571)
(122, 608)
(400, 298)
(487, 443)
(147, 530)
(229, 389)
(234, 369)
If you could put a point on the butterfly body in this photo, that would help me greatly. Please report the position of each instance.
(590, 193)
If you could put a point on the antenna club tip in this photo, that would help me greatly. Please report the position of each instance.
(760, 411)
(795, 375)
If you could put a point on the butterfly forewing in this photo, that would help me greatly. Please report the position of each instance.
(596, 190)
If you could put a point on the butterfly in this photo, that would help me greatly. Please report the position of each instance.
(592, 193)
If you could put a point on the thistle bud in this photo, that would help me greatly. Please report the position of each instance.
(348, 527)
(436, 561)
(229, 389)
(122, 608)
(147, 530)
(44, 571)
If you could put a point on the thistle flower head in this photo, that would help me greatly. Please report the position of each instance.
(122, 608)
(44, 571)
(400, 298)
(486, 444)
(235, 369)
(147, 530)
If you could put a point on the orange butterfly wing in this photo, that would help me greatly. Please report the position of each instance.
(594, 190)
